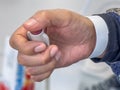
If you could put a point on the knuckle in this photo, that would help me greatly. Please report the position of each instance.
(26, 49)
(34, 71)
(43, 13)
(21, 59)
(44, 60)
(48, 74)
(53, 66)
(12, 42)
(36, 78)
(41, 77)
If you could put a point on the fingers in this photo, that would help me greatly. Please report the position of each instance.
(20, 42)
(40, 66)
(36, 70)
(39, 58)
(18, 38)
(46, 18)
(41, 20)
(32, 47)
(42, 72)
(37, 22)
(41, 77)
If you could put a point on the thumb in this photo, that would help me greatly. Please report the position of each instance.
(45, 18)
(38, 21)
(34, 25)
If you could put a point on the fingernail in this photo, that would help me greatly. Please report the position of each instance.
(31, 22)
(53, 51)
(39, 48)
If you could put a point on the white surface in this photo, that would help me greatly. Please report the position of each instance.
(9, 70)
(67, 78)
(1, 63)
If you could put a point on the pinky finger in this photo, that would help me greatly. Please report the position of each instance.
(39, 78)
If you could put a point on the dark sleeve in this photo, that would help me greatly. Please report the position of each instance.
(112, 55)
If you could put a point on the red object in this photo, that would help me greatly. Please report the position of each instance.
(3, 86)
(36, 32)
(28, 85)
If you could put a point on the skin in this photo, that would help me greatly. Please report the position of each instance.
(72, 38)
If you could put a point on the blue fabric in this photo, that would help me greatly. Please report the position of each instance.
(116, 64)
(112, 56)
(115, 67)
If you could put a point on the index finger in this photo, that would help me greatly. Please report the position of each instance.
(48, 18)
(20, 42)
(18, 38)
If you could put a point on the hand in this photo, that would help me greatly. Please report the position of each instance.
(72, 38)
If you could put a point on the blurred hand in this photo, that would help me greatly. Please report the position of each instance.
(72, 38)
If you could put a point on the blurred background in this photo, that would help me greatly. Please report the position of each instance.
(82, 74)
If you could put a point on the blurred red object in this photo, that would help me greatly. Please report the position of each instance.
(3, 86)
(28, 85)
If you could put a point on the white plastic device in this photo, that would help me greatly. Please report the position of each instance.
(42, 36)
